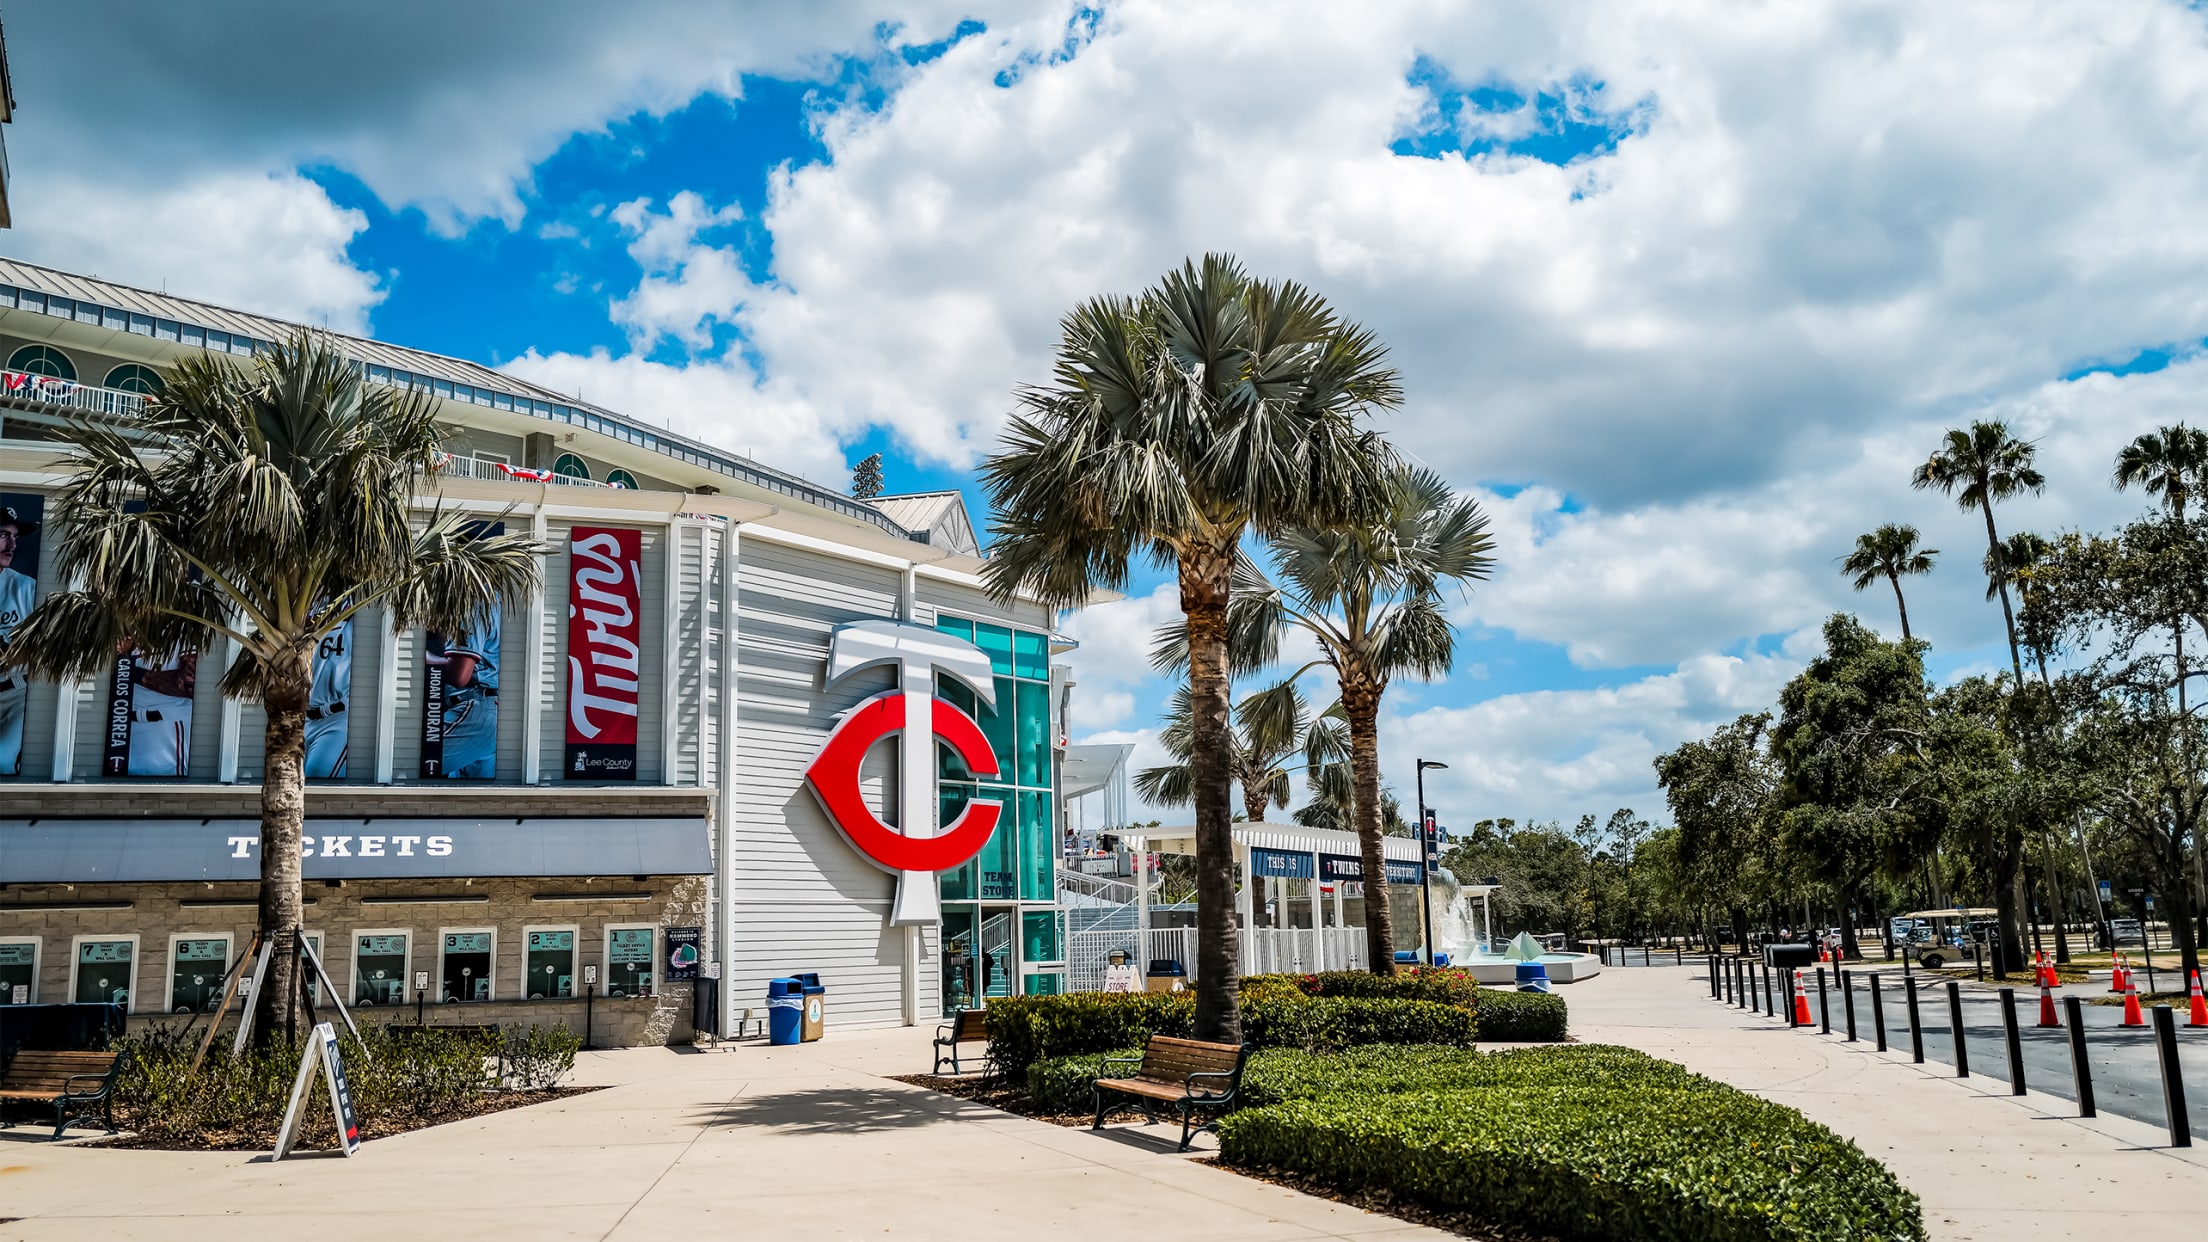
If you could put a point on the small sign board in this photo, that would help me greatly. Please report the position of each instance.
(590, 975)
(2108, 891)
(421, 981)
(20, 994)
(682, 952)
(321, 1047)
(1120, 979)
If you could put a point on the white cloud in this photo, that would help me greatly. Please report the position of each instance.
(1113, 659)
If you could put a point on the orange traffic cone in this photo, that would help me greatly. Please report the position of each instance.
(2199, 1016)
(2132, 1014)
(1801, 1002)
(2047, 1005)
(2116, 975)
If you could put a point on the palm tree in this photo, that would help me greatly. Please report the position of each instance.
(266, 504)
(1370, 594)
(1890, 552)
(1269, 738)
(1980, 467)
(2171, 463)
(1212, 406)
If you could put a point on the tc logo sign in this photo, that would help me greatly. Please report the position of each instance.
(914, 849)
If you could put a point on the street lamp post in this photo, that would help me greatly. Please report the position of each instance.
(1426, 847)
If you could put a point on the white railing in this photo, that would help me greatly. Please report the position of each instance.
(45, 390)
(1265, 951)
(1102, 888)
(460, 466)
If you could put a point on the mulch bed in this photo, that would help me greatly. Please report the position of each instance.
(319, 1132)
(994, 1093)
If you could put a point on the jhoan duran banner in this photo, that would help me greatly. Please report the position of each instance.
(604, 654)
(460, 694)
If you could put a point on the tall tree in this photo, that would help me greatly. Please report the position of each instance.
(1890, 552)
(1723, 792)
(1369, 594)
(1270, 731)
(866, 477)
(267, 505)
(1176, 423)
(1980, 467)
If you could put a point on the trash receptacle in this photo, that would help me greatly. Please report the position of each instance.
(1789, 956)
(1532, 977)
(785, 1011)
(816, 1004)
(1166, 975)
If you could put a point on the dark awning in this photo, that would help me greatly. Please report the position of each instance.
(103, 851)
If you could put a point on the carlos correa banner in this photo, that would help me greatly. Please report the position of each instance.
(604, 629)
(149, 713)
(460, 694)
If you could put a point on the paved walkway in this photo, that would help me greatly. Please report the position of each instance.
(1987, 1165)
(755, 1142)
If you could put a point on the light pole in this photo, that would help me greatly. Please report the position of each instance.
(1426, 847)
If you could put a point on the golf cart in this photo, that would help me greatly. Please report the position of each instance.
(1937, 937)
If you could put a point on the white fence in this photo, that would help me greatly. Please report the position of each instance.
(1265, 951)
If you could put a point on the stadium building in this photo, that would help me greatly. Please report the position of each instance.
(605, 788)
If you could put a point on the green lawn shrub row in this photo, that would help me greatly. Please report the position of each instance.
(1580, 1142)
(1443, 985)
(1508, 1017)
(1027, 1029)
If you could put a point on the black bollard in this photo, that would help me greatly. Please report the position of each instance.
(1786, 995)
(2173, 1080)
(1916, 1023)
(1878, 1011)
(1955, 1022)
(2015, 1041)
(1824, 1003)
(1713, 976)
(1768, 1011)
(1847, 1000)
(2080, 1070)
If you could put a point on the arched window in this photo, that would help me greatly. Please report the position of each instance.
(622, 478)
(571, 466)
(130, 377)
(43, 360)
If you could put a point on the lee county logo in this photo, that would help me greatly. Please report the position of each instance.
(912, 712)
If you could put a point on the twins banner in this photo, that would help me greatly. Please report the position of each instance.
(604, 629)
(329, 703)
(20, 514)
(460, 694)
(149, 713)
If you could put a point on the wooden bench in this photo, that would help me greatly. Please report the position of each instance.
(80, 1085)
(1186, 1073)
(967, 1026)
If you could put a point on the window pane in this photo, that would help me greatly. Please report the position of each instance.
(948, 766)
(1044, 985)
(997, 641)
(549, 965)
(467, 966)
(314, 982)
(103, 972)
(195, 974)
(997, 858)
(18, 966)
(1031, 655)
(1038, 876)
(1039, 937)
(997, 726)
(956, 625)
(1034, 733)
(629, 961)
(956, 885)
(379, 970)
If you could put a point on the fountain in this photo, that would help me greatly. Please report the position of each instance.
(1460, 933)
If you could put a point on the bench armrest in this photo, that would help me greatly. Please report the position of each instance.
(1230, 1075)
(1136, 1061)
(69, 1086)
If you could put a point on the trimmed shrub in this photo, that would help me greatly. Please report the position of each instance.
(1026, 1029)
(1521, 1017)
(1443, 985)
(1657, 1160)
(539, 1056)
(1062, 1084)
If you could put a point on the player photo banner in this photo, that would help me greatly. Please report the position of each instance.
(604, 655)
(21, 514)
(460, 694)
(149, 713)
(329, 704)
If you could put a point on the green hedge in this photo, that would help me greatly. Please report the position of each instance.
(1578, 1142)
(1443, 985)
(1027, 1029)
(1521, 1017)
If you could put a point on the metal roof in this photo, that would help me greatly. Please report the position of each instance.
(932, 511)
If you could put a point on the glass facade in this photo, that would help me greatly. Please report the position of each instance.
(1000, 917)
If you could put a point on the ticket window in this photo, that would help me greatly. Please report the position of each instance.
(104, 969)
(197, 965)
(548, 963)
(379, 968)
(629, 961)
(18, 972)
(465, 966)
(314, 981)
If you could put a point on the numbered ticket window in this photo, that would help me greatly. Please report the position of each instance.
(548, 963)
(18, 972)
(196, 967)
(629, 961)
(465, 962)
(103, 971)
(379, 968)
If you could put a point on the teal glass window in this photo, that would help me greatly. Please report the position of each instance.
(104, 970)
(996, 641)
(999, 725)
(43, 360)
(1031, 655)
(628, 961)
(1039, 937)
(1049, 984)
(999, 880)
(18, 970)
(1032, 752)
(948, 765)
(570, 466)
(959, 626)
(1038, 873)
(130, 377)
(379, 970)
(958, 884)
(195, 974)
(622, 478)
(548, 970)
(466, 971)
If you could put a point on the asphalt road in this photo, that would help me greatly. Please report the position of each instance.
(2125, 1068)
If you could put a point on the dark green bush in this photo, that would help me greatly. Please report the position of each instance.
(1027, 1029)
(1442, 985)
(1521, 1017)
(539, 1056)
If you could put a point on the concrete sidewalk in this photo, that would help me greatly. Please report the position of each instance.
(803, 1143)
(1987, 1165)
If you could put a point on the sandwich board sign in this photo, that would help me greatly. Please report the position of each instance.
(322, 1047)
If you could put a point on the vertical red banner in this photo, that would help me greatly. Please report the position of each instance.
(604, 652)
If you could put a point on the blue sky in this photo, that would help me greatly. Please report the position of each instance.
(1681, 300)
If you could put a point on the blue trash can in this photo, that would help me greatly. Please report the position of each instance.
(1166, 975)
(1406, 957)
(1533, 977)
(785, 1011)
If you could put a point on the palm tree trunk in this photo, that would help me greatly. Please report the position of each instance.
(1901, 604)
(2008, 614)
(283, 819)
(1361, 704)
(1205, 574)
